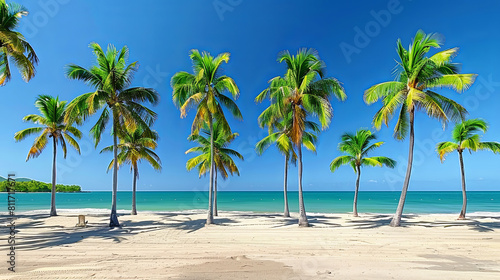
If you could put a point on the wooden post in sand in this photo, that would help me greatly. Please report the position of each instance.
(81, 221)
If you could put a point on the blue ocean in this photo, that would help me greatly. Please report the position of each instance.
(418, 202)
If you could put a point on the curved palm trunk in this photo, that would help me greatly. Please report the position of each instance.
(302, 215)
(286, 213)
(396, 220)
(53, 192)
(134, 206)
(113, 219)
(355, 203)
(215, 196)
(464, 193)
(210, 217)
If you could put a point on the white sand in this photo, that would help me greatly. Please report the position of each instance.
(254, 246)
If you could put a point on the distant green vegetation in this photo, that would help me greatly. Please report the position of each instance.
(36, 186)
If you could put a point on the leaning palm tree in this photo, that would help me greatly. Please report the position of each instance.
(133, 148)
(357, 147)
(301, 92)
(223, 162)
(53, 125)
(279, 132)
(465, 138)
(205, 89)
(13, 46)
(111, 78)
(417, 77)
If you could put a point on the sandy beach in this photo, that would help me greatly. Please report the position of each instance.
(254, 246)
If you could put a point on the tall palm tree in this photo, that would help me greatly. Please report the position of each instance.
(465, 138)
(223, 162)
(133, 148)
(13, 46)
(111, 78)
(301, 92)
(205, 88)
(417, 77)
(279, 134)
(53, 125)
(357, 147)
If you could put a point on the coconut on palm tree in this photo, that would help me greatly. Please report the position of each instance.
(417, 78)
(279, 134)
(357, 146)
(465, 137)
(134, 147)
(223, 162)
(13, 46)
(111, 78)
(52, 125)
(205, 88)
(303, 91)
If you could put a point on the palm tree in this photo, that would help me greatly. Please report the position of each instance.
(357, 148)
(53, 125)
(417, 77)
(465, 138)
(133, 148)
(111, 78)
(13, 46)
(205, 89)
(223, 162)
(279, 132)
(302, 91)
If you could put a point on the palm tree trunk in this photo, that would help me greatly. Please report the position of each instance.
(396, 220)
(215, 196)
(53, 192)
(134, 206)
(302, 215)
(355, 204)
(464, 193)
(210, 218)
(286, 213)
(113, 219)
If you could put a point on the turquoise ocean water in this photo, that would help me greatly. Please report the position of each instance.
(272, 201)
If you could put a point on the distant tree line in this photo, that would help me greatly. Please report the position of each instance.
(36, 186)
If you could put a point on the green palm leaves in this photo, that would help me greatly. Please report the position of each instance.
(357, 147)
(111, 78)
(417, 78)
(302, 91)
(205, 88)
(223, 160)
(465, 137)
(52, 125)
(13, 46)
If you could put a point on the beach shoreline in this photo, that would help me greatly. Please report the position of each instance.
(246, 245)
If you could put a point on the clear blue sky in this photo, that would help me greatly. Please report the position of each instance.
(160, 35)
